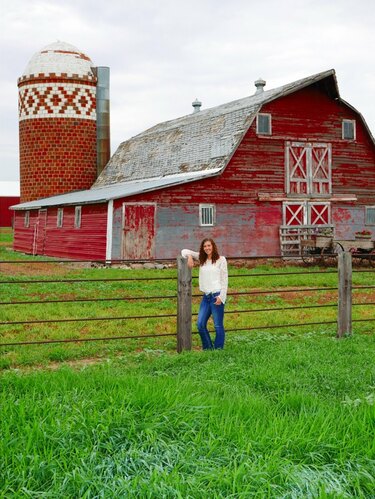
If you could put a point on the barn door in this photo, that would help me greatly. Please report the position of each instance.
(320, 169)
(300, 213)
(297, 168)
(300, 220)
(294, 213)
(40, 233)
(308, 168)
(138, 231)
(319, 213)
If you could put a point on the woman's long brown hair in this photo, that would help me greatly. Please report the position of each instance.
(203, 256)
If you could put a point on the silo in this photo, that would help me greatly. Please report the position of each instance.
(57, 122)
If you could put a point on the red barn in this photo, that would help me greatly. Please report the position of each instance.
(9, 195)
(257, 175)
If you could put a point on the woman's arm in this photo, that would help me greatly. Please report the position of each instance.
(223, 279)
(189, 254)
(186, 252)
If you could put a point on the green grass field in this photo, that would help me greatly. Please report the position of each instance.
(270, 416)
(279, 413)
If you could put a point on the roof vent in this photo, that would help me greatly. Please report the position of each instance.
(260, 84)
(196, 105)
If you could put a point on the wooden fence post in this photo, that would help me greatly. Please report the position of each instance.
(183, 305)
(344, 315)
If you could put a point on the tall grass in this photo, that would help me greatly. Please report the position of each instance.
(271, 416)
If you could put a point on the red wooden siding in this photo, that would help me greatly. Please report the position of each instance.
(139, 231)
(24, 236)
(87, 242)
(6, 215)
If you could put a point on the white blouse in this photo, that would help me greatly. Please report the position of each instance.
(213, 277)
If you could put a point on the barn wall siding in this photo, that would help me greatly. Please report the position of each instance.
(6, 215)
(117, 225)
(24, 236)
(87, 242)
(348, 220)
(236, 231)
(240, 230)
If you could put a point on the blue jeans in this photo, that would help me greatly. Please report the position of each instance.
(206, 309)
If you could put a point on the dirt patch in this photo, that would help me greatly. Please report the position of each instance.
(74, 364)
(33, 269)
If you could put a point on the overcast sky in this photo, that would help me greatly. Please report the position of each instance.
(163, 54)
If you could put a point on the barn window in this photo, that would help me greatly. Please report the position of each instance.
(26, 220)
(264, 124)
(206, 214)
(348, 129)
(77, 217)
(370, 215)
(60, 217)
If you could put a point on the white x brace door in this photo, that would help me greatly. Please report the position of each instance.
(308, 168)
(297, 213)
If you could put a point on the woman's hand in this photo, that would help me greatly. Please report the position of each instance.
(190, 262)
(218, 301)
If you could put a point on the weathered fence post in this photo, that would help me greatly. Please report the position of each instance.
(344, 315)
(183, 305)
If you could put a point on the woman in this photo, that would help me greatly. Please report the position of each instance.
(213, 282)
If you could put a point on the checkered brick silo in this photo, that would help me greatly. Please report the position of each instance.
(57, 123)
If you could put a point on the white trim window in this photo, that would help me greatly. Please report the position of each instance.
(348, 129)
(60, 217)
(77, 217)
(370, 215)
(26, 220)
(264, 124)
(207, 215)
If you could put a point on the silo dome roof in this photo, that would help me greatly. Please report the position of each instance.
(59, 58)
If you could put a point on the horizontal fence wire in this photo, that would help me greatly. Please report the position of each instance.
(94, 262)
(84, 300)
(269, 274)
(115, 279)
(79, 340)
(272, 291)
(87, 319)
(255, 328)
(273, 309)
(120, 279)
(126, 261)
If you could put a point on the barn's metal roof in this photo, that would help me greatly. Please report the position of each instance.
(125, 189)
(201, 141)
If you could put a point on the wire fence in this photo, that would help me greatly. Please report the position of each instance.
(14, 330)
